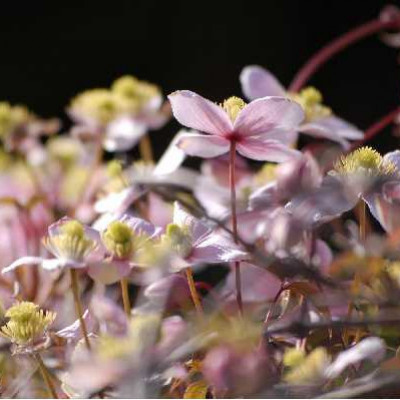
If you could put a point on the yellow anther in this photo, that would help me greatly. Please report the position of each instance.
(26, 322)
(179, 239)
(71, 241)
(119, 239)
(311, 100)
(11, 117)
(233, 106)
(366, 160)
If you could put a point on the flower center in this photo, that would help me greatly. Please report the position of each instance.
(311, 99)
(233, 106)
(367, 160)
(72, 242)
(27, 322)
(179, 240)
(118, 239)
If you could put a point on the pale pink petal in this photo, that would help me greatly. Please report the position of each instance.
(140, 226)
(332, 128)
(257, 284)
(122, 134)
(173, 156)
(108, 273)
(215, 249)
(262, 115)
(73, 331)
(196, 112)
(394, 157)
(197, 229)
(258, 82)
(203, 145)
(266, 150)
(22, 261)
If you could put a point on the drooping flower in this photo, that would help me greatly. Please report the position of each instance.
(195, 243)
(259, 129)
(319, 121)
(121, 115)
(72, 244)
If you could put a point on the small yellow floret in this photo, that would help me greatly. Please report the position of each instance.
(233, 106)
(179, 239)
(365, 159)
(118, 239)
(311, 369)
(131, 88)
(293, 357)
(311, 99)
(71, 241)
(11, 117)
(26, 322)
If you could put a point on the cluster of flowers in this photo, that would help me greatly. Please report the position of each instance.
(150, 279)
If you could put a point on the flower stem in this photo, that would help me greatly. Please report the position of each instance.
(78, 307)
(193, 291)
(46, 376)
(232, 183)
(376, 127)
(363, 221)
(146, 151)
(125, 296)
(336, 46)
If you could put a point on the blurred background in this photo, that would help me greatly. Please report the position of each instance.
(53, 51)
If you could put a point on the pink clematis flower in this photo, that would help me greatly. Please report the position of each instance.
(258, 82)
(72, 244)
(258, 129)
(124, 240)
(195, 243)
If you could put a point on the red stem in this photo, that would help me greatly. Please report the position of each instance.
(336, 46)
(376, 127)
(232, 183)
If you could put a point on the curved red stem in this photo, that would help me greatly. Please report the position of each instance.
(336, 46)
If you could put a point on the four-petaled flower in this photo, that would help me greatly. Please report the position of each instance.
(258, 129)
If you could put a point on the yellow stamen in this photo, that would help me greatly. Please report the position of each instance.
(233, 106)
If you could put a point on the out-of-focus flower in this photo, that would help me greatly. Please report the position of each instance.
(119, 116)
(73, 245)
(195, 243)
(258, 128)
(27, 325)
(20, 129)
(258, 82)
(125, 240)
(362, 174)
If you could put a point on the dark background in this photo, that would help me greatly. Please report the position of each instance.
(52, 51)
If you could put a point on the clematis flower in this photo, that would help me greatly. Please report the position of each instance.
(124, 240)
(27, 326)
(195, 243)
(259, 128)
(319, 122)
(119, 116)
(72, 244)
(363, 174)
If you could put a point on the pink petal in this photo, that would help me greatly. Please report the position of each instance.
(197, 229)
(196, 112)
(203, 145)
(108, 273)
(394, 157)
(258, 82)
(140, 226)
(22, 261)
(262, 115)
(257, 284)
(122, 134)
(216, 249)
(332, 128)
(266, 150)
